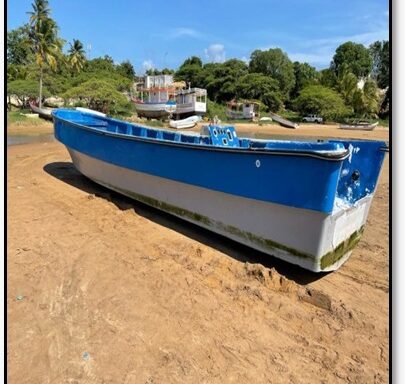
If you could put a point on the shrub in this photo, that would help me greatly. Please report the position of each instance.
(323, 101)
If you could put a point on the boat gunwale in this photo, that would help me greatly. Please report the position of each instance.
(322, 155)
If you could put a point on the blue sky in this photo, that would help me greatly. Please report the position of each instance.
(164, 33)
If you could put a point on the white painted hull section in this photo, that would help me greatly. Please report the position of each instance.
(310, 232)
(195, 108)
(153, 110)
(359, 127)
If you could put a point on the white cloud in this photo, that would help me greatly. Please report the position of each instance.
(215, 53)
(147, 64)
(180, 32)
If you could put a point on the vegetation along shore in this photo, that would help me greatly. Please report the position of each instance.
(41, 64)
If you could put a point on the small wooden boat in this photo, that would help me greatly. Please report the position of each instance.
(305, 202)
(189, 122)
(360, 126)
(45, 113)
(284, 122)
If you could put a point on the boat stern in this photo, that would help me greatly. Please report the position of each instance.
(344, 226)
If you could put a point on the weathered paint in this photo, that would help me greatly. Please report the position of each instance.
(341, 250)
(269, 245)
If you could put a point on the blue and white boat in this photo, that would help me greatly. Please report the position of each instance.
(303, 202)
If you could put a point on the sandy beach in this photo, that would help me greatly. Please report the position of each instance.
(102, 289)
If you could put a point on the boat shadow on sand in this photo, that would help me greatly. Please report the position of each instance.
(65, 171)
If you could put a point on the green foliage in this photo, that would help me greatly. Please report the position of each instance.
(56, 84)
(327, 78)
(25, 90)
(323, 101)
(380, 53)
(18, 118)
(126, 69)
(77, 56)
(352, 57)
(155, 123)
(156, 72)
(18, 47)
(305, 75)
(220, 79)
(276, 64)
(347, 86)
(257, 86)
(21, 72)
(100, 95)
(34, 52)
(105, 63)
(215, 109)
(193, 60)
(189, 71)
(119, 82)
(366, 101)
(43, 34)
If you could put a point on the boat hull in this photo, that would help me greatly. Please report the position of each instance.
(284, 122)
(303, 202)
(45, 113)
(189, 122)
(155, 111)
(313, 240)
(359, 127)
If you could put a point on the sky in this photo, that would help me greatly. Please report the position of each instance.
(159, 34)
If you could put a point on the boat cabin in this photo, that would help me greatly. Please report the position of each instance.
(156, 89)
(242, 110)
(191, 101)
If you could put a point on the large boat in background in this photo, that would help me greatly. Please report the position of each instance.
(156, 97)
(160, 97)
(305, 202)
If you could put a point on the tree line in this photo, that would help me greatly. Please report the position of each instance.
(355, 84)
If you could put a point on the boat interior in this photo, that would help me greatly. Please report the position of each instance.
(211, 135)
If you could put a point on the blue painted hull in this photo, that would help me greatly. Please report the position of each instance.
(306, 178)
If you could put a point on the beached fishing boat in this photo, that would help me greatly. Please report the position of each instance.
(156, 97)
(154, 109)
(45, 113)
(284, 122)
(189, 122)
(360, 126)
(305, 202)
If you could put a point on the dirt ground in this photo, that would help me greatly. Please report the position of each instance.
(102, 289)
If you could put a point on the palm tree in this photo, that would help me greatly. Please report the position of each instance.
(347, 85)
(370, 91)
(43, 35)
(41, 13)
(77, 56)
